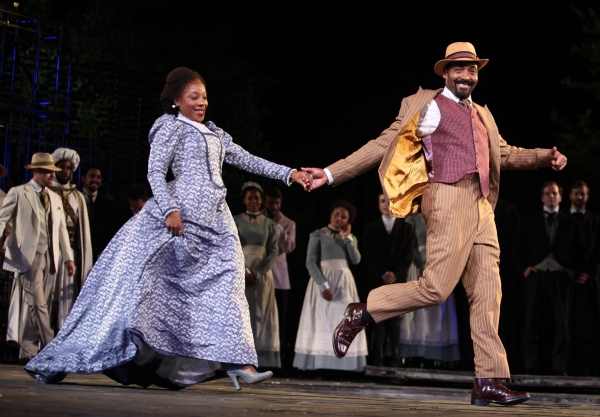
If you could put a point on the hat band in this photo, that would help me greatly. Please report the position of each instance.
(463, 54)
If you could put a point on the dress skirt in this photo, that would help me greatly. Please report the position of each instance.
(264, 317)
(320, 317)
(431, 332)
(156, 308)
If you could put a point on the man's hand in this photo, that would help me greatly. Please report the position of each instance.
(305, 179)
(559, 161)
(250, 279)
(389, 278)
(327, 294)
(570, 273)
(528, 271)
(319, 178)
(70, 265)
(582, 279)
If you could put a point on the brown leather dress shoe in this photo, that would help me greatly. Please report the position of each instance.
(490, 390)
(349, 327)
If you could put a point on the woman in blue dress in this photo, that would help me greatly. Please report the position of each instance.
(164, 304)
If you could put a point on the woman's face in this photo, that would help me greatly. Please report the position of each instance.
(253, 201)
(193, 102)
(339, 218)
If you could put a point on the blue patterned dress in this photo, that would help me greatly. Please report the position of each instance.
(156, 308)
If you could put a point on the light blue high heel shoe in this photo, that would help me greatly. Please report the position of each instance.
(256, 378)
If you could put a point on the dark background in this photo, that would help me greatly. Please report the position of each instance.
(319, 80)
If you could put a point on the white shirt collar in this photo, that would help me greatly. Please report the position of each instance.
(574, 210)
(38, 188)
(549, 210)
(449, 94)
(199, 126)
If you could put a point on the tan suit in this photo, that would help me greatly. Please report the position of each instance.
(462, 242)
(35, 271)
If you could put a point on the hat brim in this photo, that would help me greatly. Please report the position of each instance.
(43, 166)
(440, 66)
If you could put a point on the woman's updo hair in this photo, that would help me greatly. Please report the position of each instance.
(348, 206)
(176, 82)
(252, 186)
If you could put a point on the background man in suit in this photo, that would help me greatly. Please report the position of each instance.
(287, 243)
(389, 245)
(101, 210)
(38, 240)
(443, 155)
(552, 251)
(78, 224)
(584, 320)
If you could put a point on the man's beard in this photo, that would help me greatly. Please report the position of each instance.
(61, 181)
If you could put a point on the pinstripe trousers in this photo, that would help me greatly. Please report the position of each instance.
(462, 243)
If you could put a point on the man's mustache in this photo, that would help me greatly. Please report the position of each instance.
(463, 81)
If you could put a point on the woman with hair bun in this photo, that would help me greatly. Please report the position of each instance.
(164, 304)
(331, 288)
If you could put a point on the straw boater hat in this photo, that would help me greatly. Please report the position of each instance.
(459, 51)
(42, 160)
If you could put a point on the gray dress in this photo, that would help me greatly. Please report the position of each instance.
(259, 237)
(327, 260)
(156, 308)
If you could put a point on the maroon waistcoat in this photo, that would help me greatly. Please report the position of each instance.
(460, 144)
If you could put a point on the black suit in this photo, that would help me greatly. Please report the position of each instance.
(584, 317)
(103, 222)
(545, 330)
(385, 252)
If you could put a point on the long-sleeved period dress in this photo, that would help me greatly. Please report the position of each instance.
(163, 309)
(327, 260)
(259, 238)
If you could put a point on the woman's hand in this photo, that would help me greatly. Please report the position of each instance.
(327, 294)
(174, 225)
(345, 232)
(305, 179)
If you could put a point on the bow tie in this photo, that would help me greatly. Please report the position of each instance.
(550, 216)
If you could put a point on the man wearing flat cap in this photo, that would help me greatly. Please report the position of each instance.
(38, 239)
(78, 224)
(442, 156)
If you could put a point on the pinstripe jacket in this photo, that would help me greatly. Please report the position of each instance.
(21, 205)
(402, 166)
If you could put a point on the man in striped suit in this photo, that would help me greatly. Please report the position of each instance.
(442, 156)
(38, 239)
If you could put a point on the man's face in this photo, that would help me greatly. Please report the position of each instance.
(64, 176)
(551, 197)
(579, 197)
(461, 79)
(137, 205)
(272, 205)
(92, 180)
(384, 205)
(43, 177)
